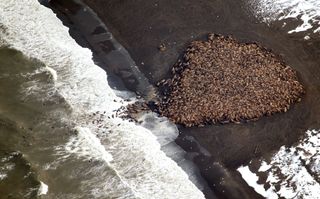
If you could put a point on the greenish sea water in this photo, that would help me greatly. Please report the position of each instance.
(17, 178)
(26, 123)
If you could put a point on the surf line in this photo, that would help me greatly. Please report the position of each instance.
(109, 54)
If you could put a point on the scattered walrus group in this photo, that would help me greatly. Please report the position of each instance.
(222, 80)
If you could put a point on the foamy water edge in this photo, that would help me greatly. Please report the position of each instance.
(38, 33)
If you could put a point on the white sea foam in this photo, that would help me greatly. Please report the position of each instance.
(166, 133)
(293, 170)
(136, 154)
(308, 11)
(43, 189)
(87, 145)
(53, 73)
(3, 176)
(6, 167)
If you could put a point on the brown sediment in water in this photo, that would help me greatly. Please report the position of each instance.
(222, 80)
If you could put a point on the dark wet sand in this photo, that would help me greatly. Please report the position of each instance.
(141, 26)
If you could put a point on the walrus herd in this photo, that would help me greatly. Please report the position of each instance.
(222, 80)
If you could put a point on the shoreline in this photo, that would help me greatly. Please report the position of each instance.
(116, 80)
(73, 91)
(228, 146)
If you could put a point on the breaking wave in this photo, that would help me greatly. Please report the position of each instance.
(130, 161)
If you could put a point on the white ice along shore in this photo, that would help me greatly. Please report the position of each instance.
(292, 172)
(308, 11)
(132, 151)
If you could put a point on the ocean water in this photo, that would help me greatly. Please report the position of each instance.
(59, 129)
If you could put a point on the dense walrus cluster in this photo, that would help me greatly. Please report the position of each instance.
(222, 80)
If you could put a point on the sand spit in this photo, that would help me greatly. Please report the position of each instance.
(221, 80)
